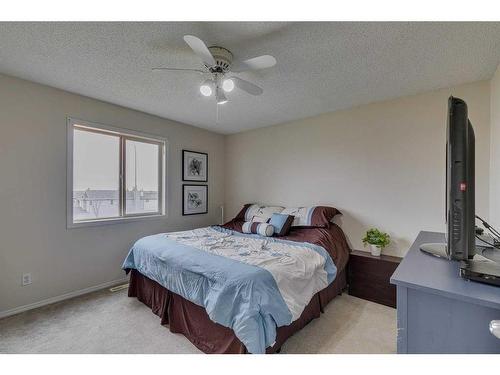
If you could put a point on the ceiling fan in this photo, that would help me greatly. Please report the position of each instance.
(218, 62)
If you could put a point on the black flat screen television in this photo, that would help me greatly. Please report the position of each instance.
(460, 187)
(460, 182)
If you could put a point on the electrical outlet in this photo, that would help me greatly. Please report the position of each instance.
(26, 279)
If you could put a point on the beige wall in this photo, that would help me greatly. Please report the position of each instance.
(495, 150)
(33, 234)
(382, 165)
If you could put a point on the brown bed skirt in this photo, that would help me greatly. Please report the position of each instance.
(183, 316)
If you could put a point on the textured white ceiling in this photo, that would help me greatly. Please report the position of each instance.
(322, 67)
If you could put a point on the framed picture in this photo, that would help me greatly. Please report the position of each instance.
(194, 199)
(194, 166)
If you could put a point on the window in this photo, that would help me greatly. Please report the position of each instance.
(113, 174)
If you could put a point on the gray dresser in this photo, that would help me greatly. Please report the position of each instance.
(438, 311)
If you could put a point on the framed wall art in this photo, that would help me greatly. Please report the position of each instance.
(194, 199)
(194, 166)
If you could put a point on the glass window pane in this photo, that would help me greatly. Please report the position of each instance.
(141, 185)
(96, 173)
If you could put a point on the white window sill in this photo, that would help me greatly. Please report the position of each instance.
(117, 220)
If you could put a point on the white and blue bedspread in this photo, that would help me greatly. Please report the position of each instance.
(249, 283)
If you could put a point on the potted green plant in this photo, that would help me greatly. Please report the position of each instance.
(377, 240)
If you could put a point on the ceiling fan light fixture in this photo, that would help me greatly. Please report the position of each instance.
(228, 85)
(218, 62)
(221, 98)
(206, 88)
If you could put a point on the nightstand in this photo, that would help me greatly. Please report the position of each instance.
(369, 277)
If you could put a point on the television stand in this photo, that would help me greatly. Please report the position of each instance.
(438, 249)
(485, 271)
(440, 312)
(489, 253)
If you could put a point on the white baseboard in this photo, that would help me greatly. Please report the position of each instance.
(62, 297)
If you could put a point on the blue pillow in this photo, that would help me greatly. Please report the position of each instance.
(281, 224)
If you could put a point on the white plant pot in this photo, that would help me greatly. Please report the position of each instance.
(375, 250)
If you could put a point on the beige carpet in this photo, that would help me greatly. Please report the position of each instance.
(105, 322)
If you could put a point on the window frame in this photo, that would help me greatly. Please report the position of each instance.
(124, 135)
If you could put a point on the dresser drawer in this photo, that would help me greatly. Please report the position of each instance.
(371, 268)
(379, 292)
(369, 277)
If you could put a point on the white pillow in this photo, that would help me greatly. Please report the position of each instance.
(261, 214)
(302, 215)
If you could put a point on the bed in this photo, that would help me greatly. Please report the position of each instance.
(230, 292)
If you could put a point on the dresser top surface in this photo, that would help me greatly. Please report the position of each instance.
(382, 257)
(441, 276)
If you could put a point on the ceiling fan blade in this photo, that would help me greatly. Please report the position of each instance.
(180, 70)
(260, 62)
(199, 47)
(247, 86)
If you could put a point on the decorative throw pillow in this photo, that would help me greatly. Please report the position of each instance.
(263, 229)
(261, 214)
(281, 223)
(314, 216)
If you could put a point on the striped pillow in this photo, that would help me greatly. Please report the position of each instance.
(263, 229)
